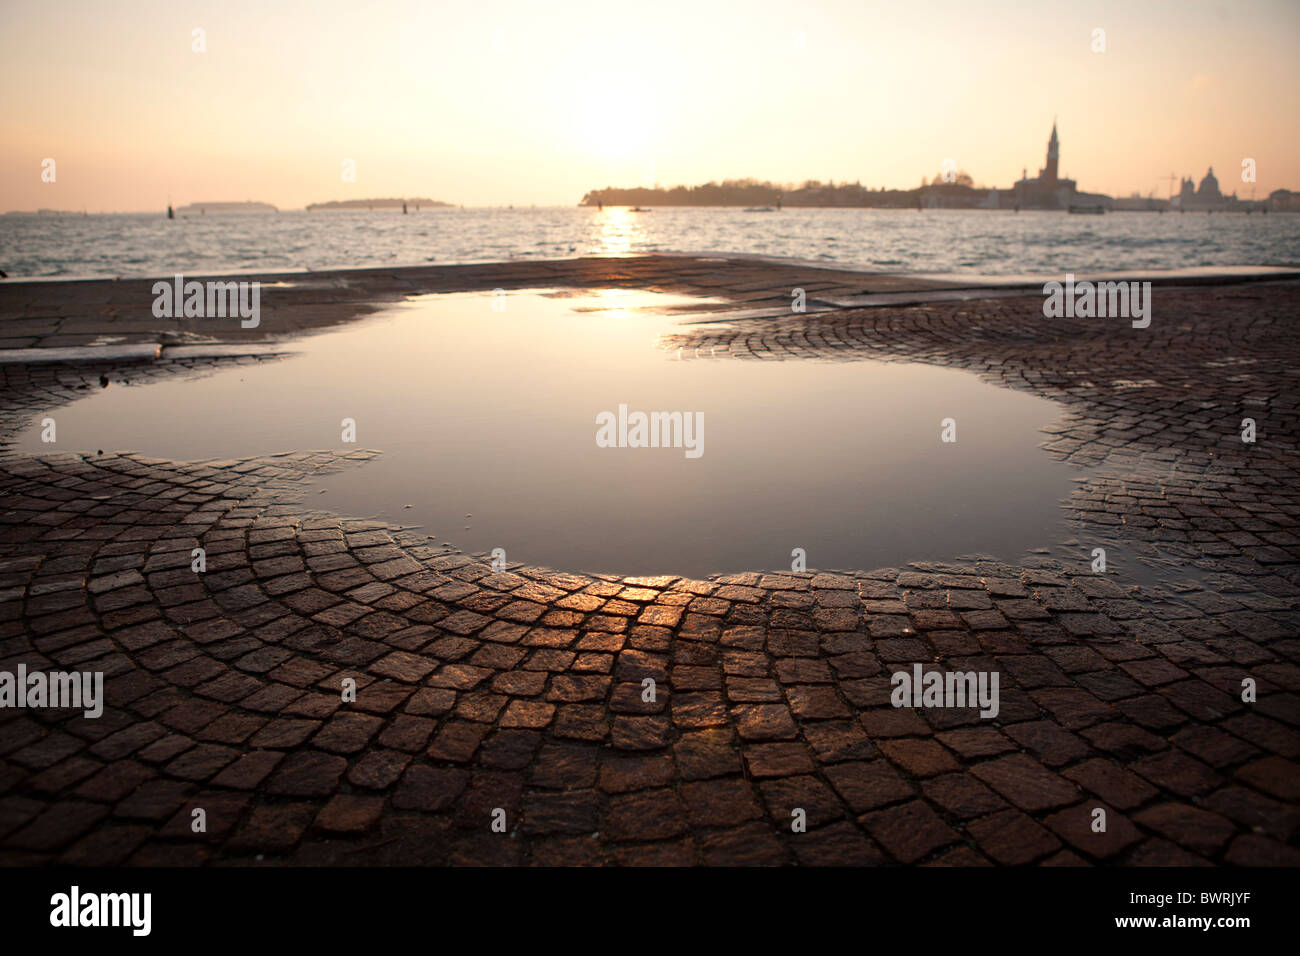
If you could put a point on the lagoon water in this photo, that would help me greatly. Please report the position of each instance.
(890, 240)
(494, 415)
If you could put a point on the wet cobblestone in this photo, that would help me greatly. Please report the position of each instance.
(522, 691)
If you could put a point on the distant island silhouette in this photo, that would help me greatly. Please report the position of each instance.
(748, 193)
(951, 189)
(199, 208)
(415, 203)
(960, 193)
(45, 212)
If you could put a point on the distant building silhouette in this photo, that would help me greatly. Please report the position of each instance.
(1207, 197)
(1048, 190)
(1283, 200)
(952, 189)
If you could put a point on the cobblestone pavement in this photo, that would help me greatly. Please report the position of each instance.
(523, 690)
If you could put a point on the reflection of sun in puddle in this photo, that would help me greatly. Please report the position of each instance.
(611, 302)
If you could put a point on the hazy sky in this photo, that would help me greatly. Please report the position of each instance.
(506, 101)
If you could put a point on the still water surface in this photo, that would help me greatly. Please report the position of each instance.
(494, 415)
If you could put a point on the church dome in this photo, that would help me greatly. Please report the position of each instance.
(1209, 185)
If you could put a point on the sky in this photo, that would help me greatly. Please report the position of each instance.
(510, 102)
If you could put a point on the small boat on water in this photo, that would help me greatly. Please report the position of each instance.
(1087, 210)
(760, 209)
(641, 209)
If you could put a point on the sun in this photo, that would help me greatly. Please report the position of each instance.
(614, 121)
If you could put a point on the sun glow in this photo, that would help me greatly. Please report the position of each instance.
(615, 122)
(540, 103)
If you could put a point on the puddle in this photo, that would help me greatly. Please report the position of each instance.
(493, 415)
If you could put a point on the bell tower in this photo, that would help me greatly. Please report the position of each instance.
(1053, 156)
